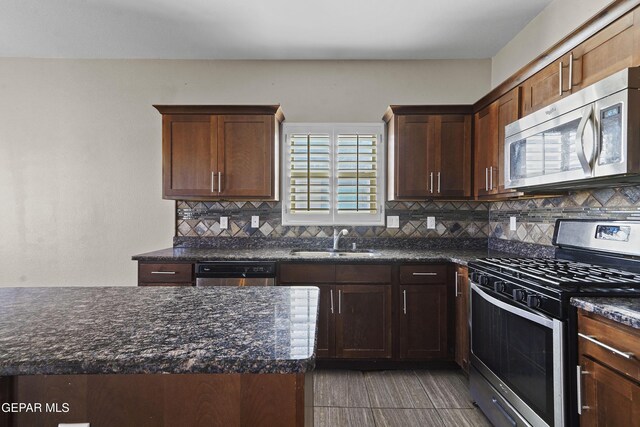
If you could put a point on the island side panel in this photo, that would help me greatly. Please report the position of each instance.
(5, 397)
(158, 400)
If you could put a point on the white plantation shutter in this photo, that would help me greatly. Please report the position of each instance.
(310, 173)
(357, 173)
(333, 175)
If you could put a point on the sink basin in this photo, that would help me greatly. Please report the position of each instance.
(334, 254)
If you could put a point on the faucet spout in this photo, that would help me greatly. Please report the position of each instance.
(336, 237)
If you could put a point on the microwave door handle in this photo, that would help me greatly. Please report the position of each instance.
(582, 157)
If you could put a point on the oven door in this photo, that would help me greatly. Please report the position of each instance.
(520, 353)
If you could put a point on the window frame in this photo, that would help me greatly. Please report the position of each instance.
(333, 218)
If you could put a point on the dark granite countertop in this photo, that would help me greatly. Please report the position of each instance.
(458, 256)
(135, 330)
(619, 309)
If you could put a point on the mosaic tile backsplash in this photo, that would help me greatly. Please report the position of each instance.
(453, 220)
(536, 217)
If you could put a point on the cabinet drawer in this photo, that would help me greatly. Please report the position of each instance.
(603, 332)
(165, 273)
(363, 273)
(423, 274)
(307, 273)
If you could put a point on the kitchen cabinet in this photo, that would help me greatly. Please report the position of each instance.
(423, 316)
(546, 86)
(429, 153)
(608, 380)
(612, 49)
(220, 152)
(363, 321)
(489, 139)
(355, 307)
(157, 274)
(461, 294)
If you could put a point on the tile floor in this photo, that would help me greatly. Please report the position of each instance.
(394, 399)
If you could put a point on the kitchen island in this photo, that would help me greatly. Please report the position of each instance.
(158, 356)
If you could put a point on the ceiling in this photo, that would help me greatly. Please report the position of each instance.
(261, 29)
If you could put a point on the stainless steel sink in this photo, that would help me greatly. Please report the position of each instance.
(334, 254)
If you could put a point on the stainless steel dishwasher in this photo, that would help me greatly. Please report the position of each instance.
(235, 273)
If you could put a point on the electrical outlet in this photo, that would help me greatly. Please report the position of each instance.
(513, 226)
(431, 222)
(224, 222)
(393, 222)
(255, 221)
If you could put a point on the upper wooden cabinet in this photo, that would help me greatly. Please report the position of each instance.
(489, 145)
(429, 154)
(612, 49)
(220, 152)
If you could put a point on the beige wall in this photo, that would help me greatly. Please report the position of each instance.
(556, 21)
(80, 153)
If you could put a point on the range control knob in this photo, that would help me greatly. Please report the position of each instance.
(533, 301)
(483, 280)
(519, 295)
(474, 276)
(499, 286)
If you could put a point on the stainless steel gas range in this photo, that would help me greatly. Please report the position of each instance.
(523, 332)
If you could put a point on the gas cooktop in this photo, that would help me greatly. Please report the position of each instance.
(562, 273)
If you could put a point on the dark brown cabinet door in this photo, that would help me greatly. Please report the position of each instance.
(508, 112)
(608, 399)
(414, 156)
(486, 150)
(246, 155)
(614, 48)
(189, 144)
(326, 325)
(462, 316)
(423, 321)
(363, 321)
(543, 88)
(453, 156)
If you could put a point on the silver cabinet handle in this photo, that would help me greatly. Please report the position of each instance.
(425, 274)
(579, 375)
(431, 182)
(404, 304)
(457, 284)
(163, 272)
(570, 71)
(491, 178)
(438, 182)
(624, 354)
(212, 177)
(219, 182)
(486, 179)
(339, 301)
(331, 296)
(560, 79)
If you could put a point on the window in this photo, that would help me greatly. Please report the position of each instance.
(333, 174)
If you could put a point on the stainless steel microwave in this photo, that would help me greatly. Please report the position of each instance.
(588, 139)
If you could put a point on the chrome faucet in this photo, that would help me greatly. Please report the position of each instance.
(336, 237)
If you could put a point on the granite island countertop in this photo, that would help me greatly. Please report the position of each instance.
(175, 254)
(620, 309)
(136, 330)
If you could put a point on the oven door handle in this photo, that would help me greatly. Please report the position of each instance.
(534, 317)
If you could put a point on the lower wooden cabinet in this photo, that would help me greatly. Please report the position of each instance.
(423, 321)
(363, 321)
(326, 322)
(423, 312)
(461, 293)
(608, 380)
(158, 274)
(355, 307)
(608, 398)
